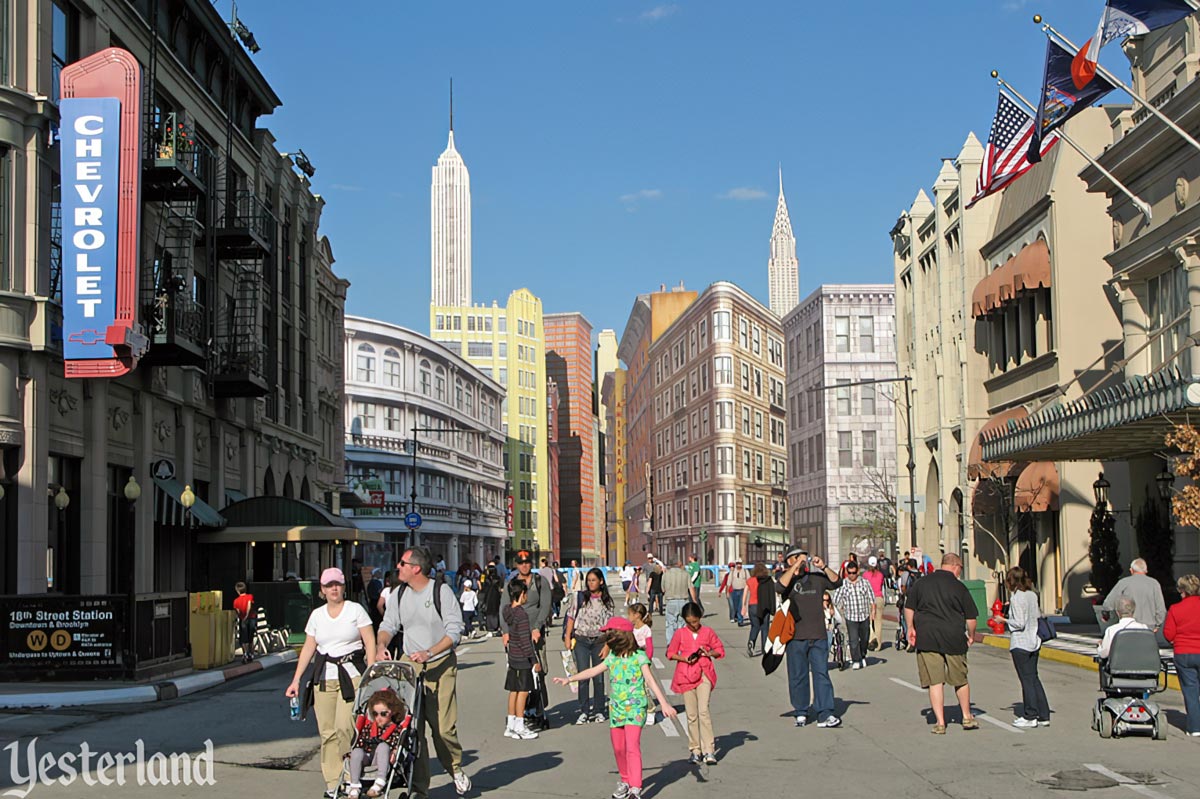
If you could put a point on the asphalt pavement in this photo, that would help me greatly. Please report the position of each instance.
(883, 747)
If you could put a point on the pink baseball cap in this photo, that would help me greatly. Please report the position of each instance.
(618, 623)
(332, 575)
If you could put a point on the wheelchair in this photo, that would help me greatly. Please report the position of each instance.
(1131, 673)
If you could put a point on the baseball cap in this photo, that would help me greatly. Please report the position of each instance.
(872, 561)
(523, 556)
(332, 575)
(618, 623)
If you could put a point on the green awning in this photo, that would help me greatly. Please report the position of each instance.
(169, 509)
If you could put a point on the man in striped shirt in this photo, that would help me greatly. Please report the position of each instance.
(857, 600)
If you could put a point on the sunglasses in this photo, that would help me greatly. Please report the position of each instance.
(381, 713)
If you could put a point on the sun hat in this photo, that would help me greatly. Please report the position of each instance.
(332, 575)
(618, 623)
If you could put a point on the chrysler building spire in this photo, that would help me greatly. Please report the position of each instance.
(450, 225)
(783, 270)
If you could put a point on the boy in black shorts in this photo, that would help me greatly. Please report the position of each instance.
(522, 660)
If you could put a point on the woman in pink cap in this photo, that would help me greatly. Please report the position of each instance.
(340, 642)
(628, 673)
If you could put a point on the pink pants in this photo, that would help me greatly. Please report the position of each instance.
(627, 748)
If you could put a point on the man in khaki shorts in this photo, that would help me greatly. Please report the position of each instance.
(941, 617)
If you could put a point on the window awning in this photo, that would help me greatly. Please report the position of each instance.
(976, 466)
(1037, 488)
(1027, 270)
(169, 510)
(284, 519)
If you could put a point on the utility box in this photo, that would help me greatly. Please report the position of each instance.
(978, 589)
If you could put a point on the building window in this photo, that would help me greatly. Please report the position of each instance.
(745, 377)
(758, 425)
(722, 326)
(841, 333)
(392, 420)
(746, 420)
(869, 457)
(744, 333)
(866, 334)
(364, 414)
(723, 370)
(439, 384)
(725, 506)
(843, 398)
(725, 461)
(845, 449)
(364, 368)
(867, 399)
(391, 372)
(426, 384)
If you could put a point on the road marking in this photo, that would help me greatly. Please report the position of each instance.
(682, 719)
(1128, 783)
(980, 716)
(666, 684)
(668, 728)
(463, 651)
(658, 664)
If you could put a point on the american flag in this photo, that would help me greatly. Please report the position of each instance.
(1004, 158)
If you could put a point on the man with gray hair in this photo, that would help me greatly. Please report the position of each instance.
(1126, 608)
(1146, 593)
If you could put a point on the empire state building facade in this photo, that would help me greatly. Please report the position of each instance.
(783, 270)
(450, 234)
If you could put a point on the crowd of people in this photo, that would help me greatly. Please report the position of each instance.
(797, 610)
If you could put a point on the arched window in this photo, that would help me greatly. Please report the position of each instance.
(425, 377)
(458, 393)
(305, 491)
(269, 483)
(469, 401)
(287, 486)
(391, 352)
(364, 364)
(439, 384)
(391, 368)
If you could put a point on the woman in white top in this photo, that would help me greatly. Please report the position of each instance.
(340, 635)
(1024, 645)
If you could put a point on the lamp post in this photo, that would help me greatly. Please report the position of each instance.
(912, 464)
(1165, 481)
(1100, 492)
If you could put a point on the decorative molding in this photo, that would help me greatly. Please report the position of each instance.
(62, 401)
(1181, 193)
(231, 448)
(1118, 229)
(118, 417)
(158, 379)
(199, 394)
(163, 430)
(201, 442)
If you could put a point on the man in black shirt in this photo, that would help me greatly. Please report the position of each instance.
(804, 583)
(941, 617)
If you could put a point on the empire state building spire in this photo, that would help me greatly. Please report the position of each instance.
(450, 225)
(783, 270)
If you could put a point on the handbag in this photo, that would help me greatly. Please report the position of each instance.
(1045, 629)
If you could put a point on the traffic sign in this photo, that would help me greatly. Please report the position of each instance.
(412, 520)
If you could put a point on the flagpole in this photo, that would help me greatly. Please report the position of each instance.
(1100, 69)
(1141, 204)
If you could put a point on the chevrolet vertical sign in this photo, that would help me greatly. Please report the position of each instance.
(91, 157)
(100, 153)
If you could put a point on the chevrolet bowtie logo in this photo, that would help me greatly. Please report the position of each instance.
(87, 337)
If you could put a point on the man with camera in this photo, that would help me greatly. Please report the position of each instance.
(804, 584)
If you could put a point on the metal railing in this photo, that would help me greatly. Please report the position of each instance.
(245, 211)
(173, 144)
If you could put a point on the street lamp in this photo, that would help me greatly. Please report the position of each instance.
(62, 499)
(133, 491)
(1165, 481)
(188, 498)
(1100, 490)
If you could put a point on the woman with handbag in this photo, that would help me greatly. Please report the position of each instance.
(1024, 644)
(340, 643)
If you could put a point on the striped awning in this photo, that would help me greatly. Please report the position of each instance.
(170, 512)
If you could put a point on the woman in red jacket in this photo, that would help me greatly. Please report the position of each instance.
(1182, 629)
(694, 647)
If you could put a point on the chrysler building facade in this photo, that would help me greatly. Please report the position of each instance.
(783, 270)
(450, 221)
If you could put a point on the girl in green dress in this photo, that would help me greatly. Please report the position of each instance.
(628, 674)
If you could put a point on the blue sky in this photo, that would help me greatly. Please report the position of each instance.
(614, 146)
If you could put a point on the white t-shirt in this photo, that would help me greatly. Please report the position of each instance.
(383, 595)
(627, 574)
(469, 599)
(642, 634)
(340, 636)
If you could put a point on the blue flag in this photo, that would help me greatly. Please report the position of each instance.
(1060, 100)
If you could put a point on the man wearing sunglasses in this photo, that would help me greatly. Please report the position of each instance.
(432, 628)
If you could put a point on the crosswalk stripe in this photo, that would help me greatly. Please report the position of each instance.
(666, 684)
(682, 719)
(463, 651)
(668, 728)
(658, 664)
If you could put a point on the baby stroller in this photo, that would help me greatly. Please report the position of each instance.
(1128, 676)
(839, 653)
(402, 678)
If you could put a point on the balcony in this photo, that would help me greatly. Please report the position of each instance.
(178, 330)
(178, 164)
(247, 228)
(238, 370)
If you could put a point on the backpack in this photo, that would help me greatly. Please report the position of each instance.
(398, 592)
(557, 592)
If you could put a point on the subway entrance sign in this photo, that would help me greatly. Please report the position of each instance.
(63, 637)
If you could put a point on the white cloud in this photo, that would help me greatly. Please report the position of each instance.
(345, 187)
(643, 194)
(659, 12)
(742, 193)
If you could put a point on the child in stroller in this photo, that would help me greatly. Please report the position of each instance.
(387, 729)
(833, 630)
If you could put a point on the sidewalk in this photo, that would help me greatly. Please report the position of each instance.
(75, 694)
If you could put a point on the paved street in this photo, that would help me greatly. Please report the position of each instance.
(884, 746)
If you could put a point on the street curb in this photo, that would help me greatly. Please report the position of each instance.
(157, 692)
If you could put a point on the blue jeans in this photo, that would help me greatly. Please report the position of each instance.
(591, 692)
(1187, 668)
(804, 656)
(674, 620)
(735, 604)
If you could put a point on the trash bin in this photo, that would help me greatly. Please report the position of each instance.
(978, 589)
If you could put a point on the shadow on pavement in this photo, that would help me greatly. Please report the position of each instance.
(730, 741)
(671, 774)
(499, 775)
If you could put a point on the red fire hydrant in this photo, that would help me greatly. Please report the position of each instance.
(996, 622)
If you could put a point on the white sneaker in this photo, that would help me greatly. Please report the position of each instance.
(856, 666)
(1024, 723)
(622, 791)
(519, 730)
(830, 721)
(801, 721)
(462, 783)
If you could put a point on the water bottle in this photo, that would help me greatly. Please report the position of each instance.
(294, 706)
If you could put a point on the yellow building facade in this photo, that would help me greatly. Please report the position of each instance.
(508, 343)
